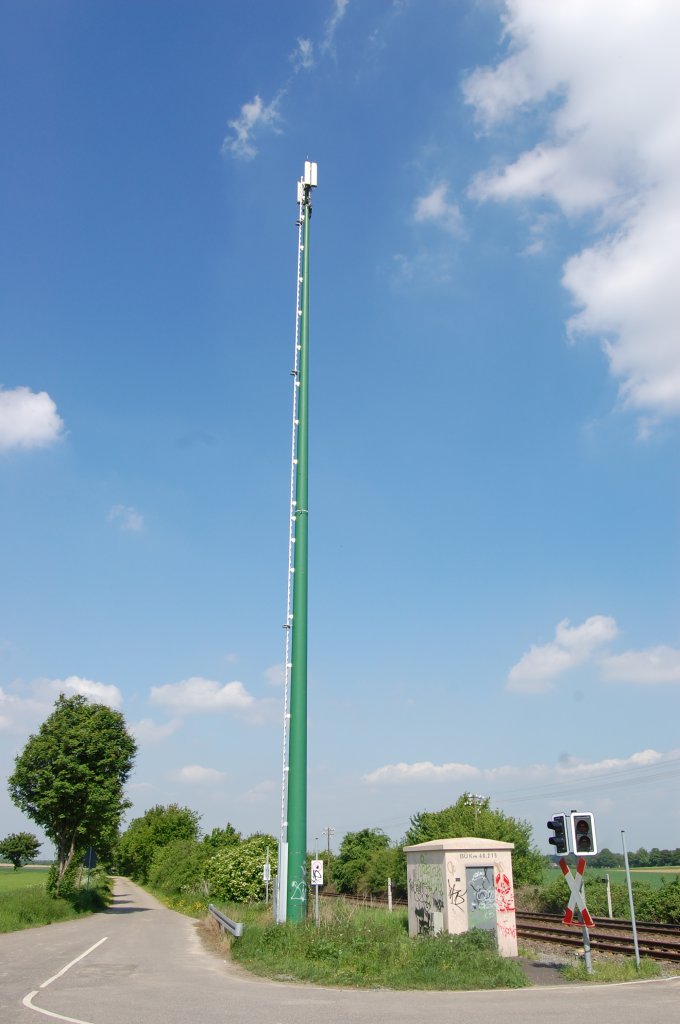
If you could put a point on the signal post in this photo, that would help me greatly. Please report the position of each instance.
(575, 833)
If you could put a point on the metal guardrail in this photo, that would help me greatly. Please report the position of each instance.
(226, 923)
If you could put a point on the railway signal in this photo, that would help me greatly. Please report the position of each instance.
(582, 828)
(560, 840)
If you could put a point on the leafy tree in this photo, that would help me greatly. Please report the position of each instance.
(70, 776)
(470, 816)
(357, 851)
(384, 864)
(144, 836)
(20, 848)
(221, 837)
(606, 859)
(235, 873)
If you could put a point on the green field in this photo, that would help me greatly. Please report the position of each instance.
(24, 902)
(24, 878)
(650, 876)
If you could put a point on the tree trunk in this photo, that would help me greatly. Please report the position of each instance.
(65, 857)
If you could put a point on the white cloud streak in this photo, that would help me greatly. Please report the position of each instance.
(28, 419)
(258, 117)
(422, 771)
(608, 78)
(572, 646)
(255, 117)
(429, 773)
(302, 57)
(333, 23)
(126, 518)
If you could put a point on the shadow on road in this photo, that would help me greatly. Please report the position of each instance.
(126, 910)
(120, 905)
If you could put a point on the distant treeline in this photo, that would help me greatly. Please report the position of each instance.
(654, 858)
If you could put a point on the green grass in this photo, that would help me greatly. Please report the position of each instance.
(614, 972)
(361, 948)
(655, 877)
(24, 903)
(24, 878)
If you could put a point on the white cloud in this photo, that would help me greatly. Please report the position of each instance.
(98, 693)
(570, 769)
(196, 773)
(276, 674)
(28, 419)
(572, 646)
(302, 57)
(643, 758)
(436, 208)
(148, 731)
(261, 792)
(656, 665)
(127, 518)
(606, 77)
(426, 268)
(196, 695)
(421, 771)
(255, 117)
(28, 704)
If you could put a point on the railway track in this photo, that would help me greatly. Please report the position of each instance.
(656, 941)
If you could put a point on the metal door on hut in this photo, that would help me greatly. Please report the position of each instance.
(481, 898)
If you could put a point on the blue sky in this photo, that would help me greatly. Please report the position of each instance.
(495, 391)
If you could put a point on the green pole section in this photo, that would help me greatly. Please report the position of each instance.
(296, 903)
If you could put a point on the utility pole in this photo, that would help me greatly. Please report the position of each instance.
(296, 824)
(328, 832)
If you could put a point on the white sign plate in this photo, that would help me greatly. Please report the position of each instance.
(317, 872)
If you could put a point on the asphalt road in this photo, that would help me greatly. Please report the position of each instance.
(140, 963)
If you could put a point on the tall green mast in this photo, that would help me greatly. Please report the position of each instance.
(296, 880)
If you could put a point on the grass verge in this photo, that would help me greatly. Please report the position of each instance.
(360, 948)
(614, 972)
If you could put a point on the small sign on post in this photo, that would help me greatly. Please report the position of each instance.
(266, 877)
(317, 872)
(89, 861)
(316, 877)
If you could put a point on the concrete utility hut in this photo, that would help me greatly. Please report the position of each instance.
(458, 884)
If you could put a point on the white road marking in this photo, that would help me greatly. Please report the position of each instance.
(48, 1013)
(73, 963)
(28, 1000)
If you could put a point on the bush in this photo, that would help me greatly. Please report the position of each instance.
(178, 868)
(235, 873)
(662, 904)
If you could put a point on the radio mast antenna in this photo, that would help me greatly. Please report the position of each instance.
(292, 880)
